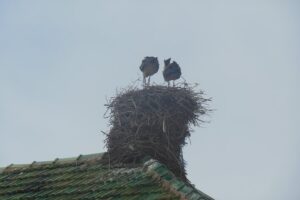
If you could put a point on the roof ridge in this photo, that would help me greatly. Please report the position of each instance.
(170, 182)
(67, 160)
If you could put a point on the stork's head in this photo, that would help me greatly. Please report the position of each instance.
(167, 62)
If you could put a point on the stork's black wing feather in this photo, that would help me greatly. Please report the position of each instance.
(172, 71)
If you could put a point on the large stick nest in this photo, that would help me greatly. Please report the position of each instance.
(153, 121)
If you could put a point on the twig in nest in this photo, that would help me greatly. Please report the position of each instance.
(164, 125)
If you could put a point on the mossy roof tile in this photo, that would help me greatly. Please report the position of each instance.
(85, 178)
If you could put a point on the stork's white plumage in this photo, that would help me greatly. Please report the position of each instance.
(149, 67)
(171, 71)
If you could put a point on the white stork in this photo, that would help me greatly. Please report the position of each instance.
(171, 71)
(149, 67)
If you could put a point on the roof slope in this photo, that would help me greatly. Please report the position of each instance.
(86, 178)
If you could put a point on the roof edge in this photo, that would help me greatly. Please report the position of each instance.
(172, 183)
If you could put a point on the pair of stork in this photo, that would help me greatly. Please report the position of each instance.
(150, 66)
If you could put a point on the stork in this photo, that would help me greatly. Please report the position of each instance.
(171, 71)
(149, 67)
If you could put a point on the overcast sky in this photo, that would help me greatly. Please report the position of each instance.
(60, 60)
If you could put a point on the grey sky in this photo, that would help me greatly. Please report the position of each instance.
(59, 60)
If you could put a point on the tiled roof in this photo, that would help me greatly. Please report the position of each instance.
(84, 177)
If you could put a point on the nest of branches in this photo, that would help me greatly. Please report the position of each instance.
(153, 121)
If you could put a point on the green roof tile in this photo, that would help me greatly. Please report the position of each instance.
(85, 178)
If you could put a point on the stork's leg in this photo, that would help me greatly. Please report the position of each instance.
(173, 83)
(144, 80)
(149, 80)
(168, 83)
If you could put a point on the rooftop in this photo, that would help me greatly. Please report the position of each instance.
(85, 177)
